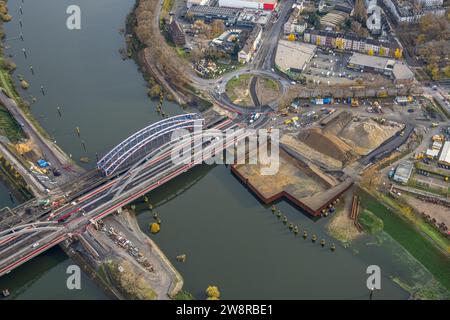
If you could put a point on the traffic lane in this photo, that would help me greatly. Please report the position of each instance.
(29, 255)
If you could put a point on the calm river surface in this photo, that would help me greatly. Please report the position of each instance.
(230, 239)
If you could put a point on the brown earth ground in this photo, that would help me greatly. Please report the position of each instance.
(343, 140)
(294, 143)
(362, 135)
(290, 177)
(341, 226)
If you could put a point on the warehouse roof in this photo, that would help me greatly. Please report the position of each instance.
(403, 172)
(445, 153)
(401, 71)
(217, 11)
(293, 55)
(375, 62)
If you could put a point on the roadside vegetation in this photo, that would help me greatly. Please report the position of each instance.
(14, 179)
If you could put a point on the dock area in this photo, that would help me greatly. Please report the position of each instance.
(305, 186)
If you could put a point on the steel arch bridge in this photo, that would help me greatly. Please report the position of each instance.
(137, 146)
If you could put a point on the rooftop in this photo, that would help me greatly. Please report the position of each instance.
(371, 61)
(402, 71)
(218, 11)
(403, 172)
(293, 55)
(445, 153)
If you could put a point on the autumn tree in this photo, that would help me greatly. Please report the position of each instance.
(398, 53)
(360, 11)
(213, 293)
(217, 27)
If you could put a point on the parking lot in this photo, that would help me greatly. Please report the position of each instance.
(330, 67)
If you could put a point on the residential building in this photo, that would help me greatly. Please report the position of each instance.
(176, 33)
(335, 40)
(251, 45)
(406, 12)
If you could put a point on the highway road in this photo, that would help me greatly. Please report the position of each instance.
(28, 241)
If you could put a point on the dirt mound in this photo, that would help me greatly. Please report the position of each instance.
(363, 135)
(336, 125)
(367, 134)
(328, 144)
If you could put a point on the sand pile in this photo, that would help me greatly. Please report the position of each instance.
(364, 135)
(328, 144)
(367, 134)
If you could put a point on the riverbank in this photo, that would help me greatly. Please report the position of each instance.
(160, 65)
(408, 235)
(125, 262)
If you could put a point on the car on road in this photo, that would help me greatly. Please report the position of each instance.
(35, 244)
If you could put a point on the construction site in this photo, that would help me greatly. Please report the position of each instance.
(343, 140)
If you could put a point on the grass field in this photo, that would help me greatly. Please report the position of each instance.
(237, 89)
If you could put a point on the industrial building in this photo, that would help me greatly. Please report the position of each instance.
(390, 67)
(249, 4)
(248, 18)
(190, 3)
(444, 158)
(403, 172)
(209, 14)
(293, 56)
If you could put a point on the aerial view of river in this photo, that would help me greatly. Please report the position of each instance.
(231, 240)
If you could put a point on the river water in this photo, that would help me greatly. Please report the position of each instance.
(230, 238)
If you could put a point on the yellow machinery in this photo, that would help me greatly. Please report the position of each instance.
(438, 137)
